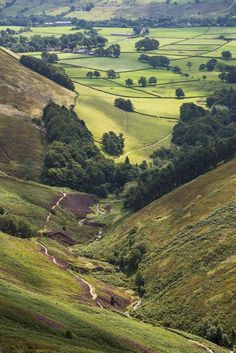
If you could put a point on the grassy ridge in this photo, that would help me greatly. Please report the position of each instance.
(107, 9)
(190, 239)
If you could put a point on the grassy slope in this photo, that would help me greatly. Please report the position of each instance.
(189, 267)
(32, 202)
(23, 94)
(106, 9)
(38, 302)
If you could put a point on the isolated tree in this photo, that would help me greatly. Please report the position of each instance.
(112, 143)
(97, 74)
(177, 70)
(202, 67)
(113, 300)
(124, 104)
(68, 334)
(111, 74)
(129, 82)
(226, 55)
(142, 81)
(89, 74)
(152, 80)
(189, 65)
(179, 93)
(139, 280)
(116, 50)
(211, 65)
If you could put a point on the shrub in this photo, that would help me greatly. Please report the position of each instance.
(68, 334)
(16, 226)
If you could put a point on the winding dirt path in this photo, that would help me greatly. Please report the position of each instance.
(201, 345)
(53, 208)
(144, 147)
(64, 265)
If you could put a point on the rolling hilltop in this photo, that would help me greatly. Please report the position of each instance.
(23, 95)
(101, 9)
(188, 264)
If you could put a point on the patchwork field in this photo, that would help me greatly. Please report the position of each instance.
(156, 109)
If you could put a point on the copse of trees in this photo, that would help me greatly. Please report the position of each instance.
(91, 74)
(147, 44)
(124, 104)
(228, 73)
(112, 143)
(155, 61)
(226, 55)
(112, 51)
(202, 138)
(55, 74)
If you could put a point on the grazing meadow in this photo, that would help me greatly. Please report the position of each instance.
(156, 108)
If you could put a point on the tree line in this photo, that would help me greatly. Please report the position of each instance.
(89, 39)
(201, 139)
(149, 22)
(54, 73)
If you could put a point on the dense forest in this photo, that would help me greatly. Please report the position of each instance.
(201, 139)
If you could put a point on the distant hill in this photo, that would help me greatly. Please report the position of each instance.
(189, 263)
(23, 95)
(102, 9)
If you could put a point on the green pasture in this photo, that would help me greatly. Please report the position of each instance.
(96, 96)
(125, 62)
(97, 109)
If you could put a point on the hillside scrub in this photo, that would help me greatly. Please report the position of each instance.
(16, 226)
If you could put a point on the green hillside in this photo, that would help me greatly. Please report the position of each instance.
(39, 302)
(23, 95)
(106, 9)
(189, 264)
